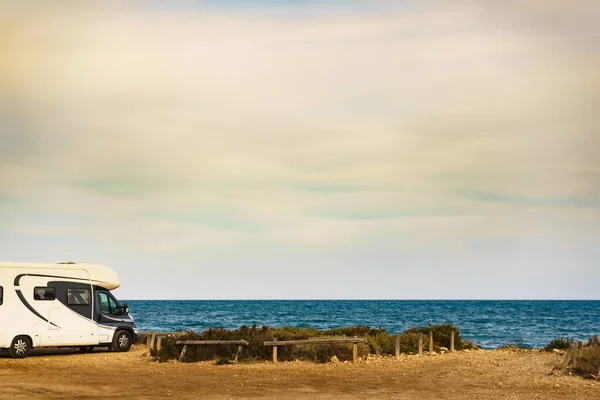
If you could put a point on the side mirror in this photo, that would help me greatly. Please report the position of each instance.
(125, 309)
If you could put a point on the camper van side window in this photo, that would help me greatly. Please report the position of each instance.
(44, 293)
(78, 296)
(1, 295)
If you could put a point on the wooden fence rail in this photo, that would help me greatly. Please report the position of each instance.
(354, 341)
(153, 338)
(148, 334)
(187, 343)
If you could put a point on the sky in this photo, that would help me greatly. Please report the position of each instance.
(306, 149)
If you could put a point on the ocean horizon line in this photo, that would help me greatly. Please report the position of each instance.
(317, 299)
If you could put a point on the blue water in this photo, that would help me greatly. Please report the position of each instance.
(490, 324)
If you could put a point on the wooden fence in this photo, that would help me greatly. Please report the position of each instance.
(153, 340)
(187, 343)
(354, 341)
(420, 345)
(576, 351)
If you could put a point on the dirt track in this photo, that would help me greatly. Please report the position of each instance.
(475, 375)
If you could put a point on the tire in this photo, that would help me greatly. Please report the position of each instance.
(20, 347)
(121, 341)
(86, 349)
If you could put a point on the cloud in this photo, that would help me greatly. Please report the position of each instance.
(178, 128)
(559, 202)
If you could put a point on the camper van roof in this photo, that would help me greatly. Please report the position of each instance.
(100, 275)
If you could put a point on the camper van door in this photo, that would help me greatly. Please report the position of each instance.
(70, 315)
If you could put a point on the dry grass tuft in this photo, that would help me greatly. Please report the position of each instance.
(588, 361)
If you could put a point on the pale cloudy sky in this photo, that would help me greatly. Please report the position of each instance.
(306, 149)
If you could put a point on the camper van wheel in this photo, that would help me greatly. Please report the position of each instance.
(121, 341)
(20, 346)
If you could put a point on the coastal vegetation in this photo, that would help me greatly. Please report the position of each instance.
(559, 343)
(379, 342)
(586, 358)
(588, 361)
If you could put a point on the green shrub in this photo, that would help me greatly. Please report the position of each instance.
(560, 343)
(379, 341)
(469, 345)
(441, 335)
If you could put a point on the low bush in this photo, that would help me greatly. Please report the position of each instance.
(514, 346)
(441, 335)
(588, 361)
(379, 341)
(469, 345)
(560, 343)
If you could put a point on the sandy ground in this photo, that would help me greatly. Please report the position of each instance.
(498, 374)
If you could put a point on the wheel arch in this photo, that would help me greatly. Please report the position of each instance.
(125, 328)
(132, 331)
(27, 336)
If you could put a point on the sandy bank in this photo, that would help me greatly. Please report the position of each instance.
(498, 374)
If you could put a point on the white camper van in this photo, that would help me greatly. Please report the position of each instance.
(61, 305)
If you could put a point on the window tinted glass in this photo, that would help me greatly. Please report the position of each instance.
(108, 305)
(103, 302)
(112, 306)
(1, 295)
(44, 293)
(78, 296)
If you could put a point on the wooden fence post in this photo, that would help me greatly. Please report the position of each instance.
(148, 337)
(237, 354)
(578, 352)
(397, 347)
(420, 343)
(451, 341)
(152, 339)
(183, 351)
(354, 352)
(430, 342)
(275, 352)
(158, 343)
(568, 358)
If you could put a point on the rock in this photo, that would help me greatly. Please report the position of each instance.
(558, 351)
(443, 349)
(334, 360)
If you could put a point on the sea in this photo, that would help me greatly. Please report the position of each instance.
(490, 323)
